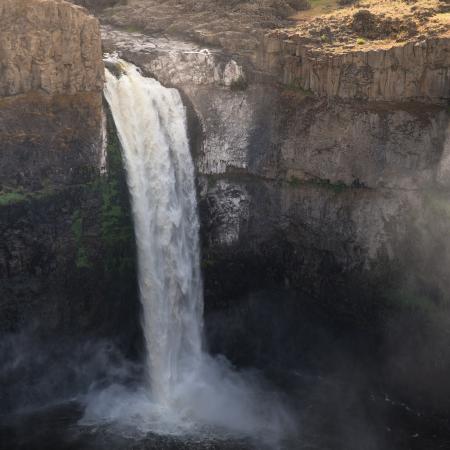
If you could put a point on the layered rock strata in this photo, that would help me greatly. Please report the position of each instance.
(322, 192)
(50, 93)
(404, 72)
(67, 246)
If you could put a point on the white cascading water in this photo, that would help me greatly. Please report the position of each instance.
(151, 123)
(188, 390)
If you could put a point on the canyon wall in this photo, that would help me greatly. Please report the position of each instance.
(50, 93)
(338, 188)
(338, 192)
(325, 173)
(329, 194)
(315, 171)
(397, 72)
(67, 246)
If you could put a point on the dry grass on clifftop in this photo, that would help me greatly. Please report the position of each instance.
(369, 24)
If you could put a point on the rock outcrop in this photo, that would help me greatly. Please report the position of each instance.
(66, 240)
(51, 79)
(48, 46)
(402, 72)
(317, 190)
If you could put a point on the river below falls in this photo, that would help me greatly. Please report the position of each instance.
(383, 425)
(326, 376)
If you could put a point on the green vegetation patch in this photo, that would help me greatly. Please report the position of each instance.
(338, 186)
(318, 7)
(9, 198)
(117, 230)
(102, 230)
(20, 196)
(133, 29)
(81, 258)
(115, 221)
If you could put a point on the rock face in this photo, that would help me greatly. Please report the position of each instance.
(50, 141)
(326, 172)
(402, 72)
(320, 192)
(48, 46)
(67, 246)
(342, 194)
(50, 94)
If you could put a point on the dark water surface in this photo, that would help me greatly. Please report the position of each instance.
(57, 428)
(328, 376)
(372, 424)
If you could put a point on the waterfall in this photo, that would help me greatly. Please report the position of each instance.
(151, 123)
(187, 390)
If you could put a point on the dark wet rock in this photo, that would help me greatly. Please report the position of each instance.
(67, 245)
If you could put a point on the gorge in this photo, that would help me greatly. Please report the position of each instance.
(320, 166)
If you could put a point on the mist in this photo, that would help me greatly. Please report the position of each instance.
(218, 401)
(39, 371)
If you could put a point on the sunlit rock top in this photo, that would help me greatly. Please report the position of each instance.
(48, 45)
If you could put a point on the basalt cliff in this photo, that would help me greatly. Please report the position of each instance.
(64, 220)
(322, 149)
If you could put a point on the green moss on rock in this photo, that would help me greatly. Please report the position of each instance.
(116, 221)
(81, 259)
(9, 198)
